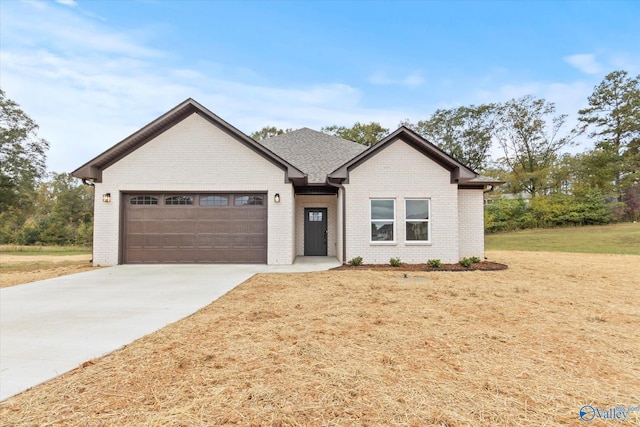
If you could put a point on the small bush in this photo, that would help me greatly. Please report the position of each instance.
(466, 262)
(354, 262)
(475, 259)
(395, 262)
(434, 263)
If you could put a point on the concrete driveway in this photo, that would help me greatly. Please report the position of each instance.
(50, 327)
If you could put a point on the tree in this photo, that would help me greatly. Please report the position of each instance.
(22, 156)
(529, 135)
(363, 133)
(268, 132)
(613, 121)
(463, 132)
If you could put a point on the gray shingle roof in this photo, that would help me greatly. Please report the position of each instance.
(314, 153)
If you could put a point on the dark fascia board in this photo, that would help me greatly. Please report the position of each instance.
(459, 172)
(92, 170)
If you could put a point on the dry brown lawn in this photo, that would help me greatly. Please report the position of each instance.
(527, 346)
(20, 269)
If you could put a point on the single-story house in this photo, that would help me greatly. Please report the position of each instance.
(191, 188)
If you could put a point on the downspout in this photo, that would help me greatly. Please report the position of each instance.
(93, 205)
(344, 218)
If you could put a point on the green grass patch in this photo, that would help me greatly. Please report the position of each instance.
(44, 250)
(595, 239)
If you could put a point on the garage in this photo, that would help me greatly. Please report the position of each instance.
(194, 228)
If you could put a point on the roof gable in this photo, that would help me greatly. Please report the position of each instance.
(315, 153)
(459, 172)
(92, 170)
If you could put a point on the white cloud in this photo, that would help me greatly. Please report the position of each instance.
(586, 63)
(67, 2)
(411, 80)
(88, 85)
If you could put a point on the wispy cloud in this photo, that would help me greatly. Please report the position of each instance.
(67, 2)
(586, 63)
(88, 85)
(411, 80)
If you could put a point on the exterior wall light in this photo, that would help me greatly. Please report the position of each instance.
(276, 198)
(106, 197)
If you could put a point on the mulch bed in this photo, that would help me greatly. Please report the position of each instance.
(482, 266)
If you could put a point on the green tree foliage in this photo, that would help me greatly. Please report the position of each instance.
(463, 132)
(612, 120)
(22, 157)
(363, 133)
(62, 214)
(268, 132)
(551, 211)
(528, 132)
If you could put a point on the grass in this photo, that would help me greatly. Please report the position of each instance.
(20, 265)
(597, 239)
(44, 250)
(527, 346)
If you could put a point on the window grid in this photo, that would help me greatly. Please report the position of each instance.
(214, 201)
(178, 200)
(249, 200)
(417, 220)
(382, 220)
(143, 200)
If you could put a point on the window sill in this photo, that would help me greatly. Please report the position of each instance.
(425, 243)
(383, 243)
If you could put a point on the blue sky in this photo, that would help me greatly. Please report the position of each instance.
(92, 72)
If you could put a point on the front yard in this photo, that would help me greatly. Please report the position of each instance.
(525, 346)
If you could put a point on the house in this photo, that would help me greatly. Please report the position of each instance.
(191, 188)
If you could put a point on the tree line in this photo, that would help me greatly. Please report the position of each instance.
(545, 185)
(37, 207)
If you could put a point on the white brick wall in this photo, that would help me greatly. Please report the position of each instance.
(309, 201)
(194, 155)
(471, 227)
(398, 172)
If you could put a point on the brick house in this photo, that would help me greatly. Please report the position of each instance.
(191, 188)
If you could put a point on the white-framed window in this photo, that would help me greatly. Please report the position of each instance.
(383, 220)
(417, 220)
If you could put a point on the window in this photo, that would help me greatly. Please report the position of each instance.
(214, 201)
(382, 220)
(179, 200)
(417, 220)
(315, 216)
(143, 200)
(249, 200)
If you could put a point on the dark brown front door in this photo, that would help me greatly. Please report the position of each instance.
(195, 228)
(315, 232)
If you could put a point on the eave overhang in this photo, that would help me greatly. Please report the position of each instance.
(92, 170)
(459, 172)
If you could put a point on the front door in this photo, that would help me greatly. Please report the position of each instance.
(315, 231)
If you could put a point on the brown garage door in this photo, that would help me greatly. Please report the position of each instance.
(195, 228)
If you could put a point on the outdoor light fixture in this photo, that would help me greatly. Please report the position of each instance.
(276, 198)
(106, 197)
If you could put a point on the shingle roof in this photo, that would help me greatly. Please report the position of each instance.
(314, 153)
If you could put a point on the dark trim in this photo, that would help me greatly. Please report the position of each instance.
(471, 187)
(316, 190)
(122, 221)
(92, 170)
(459, 172)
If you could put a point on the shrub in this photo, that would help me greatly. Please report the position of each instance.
(434, 263)
(475, 259)
(354, 262)
(395, 262)
(466, 262)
